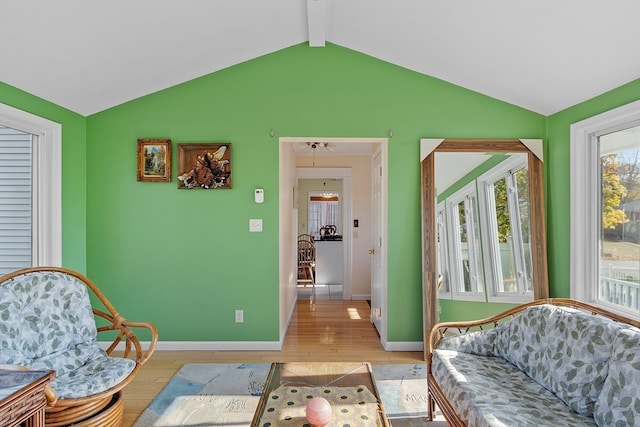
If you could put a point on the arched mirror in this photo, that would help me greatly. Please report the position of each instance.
(482, 222)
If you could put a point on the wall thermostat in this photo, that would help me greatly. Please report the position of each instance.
(259, 195)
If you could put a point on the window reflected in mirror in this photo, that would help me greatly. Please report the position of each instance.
(508, 207)
(442, 251)
(483, 227)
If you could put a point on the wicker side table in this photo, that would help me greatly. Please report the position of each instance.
(24, 403)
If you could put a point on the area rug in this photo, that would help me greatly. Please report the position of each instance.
(223, 394)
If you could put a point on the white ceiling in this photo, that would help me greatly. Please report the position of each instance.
(543, 55)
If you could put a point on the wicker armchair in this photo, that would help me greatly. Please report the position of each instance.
(48, 322)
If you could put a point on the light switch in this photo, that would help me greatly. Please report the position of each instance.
(255, 225)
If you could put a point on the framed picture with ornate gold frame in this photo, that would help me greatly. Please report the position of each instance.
(154, 160)
(204, 166)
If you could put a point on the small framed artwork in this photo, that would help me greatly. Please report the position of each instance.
(154, 160)
(204, 166)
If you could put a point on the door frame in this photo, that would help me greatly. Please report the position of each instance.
(288, 165)
(46, 182)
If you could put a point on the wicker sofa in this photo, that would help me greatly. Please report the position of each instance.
(548, 363)
(48, 323)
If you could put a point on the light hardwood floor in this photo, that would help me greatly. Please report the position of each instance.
(319, 331)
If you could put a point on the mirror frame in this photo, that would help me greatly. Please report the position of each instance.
(428, 148)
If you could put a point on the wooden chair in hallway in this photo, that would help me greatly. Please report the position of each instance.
(307, 237)
(306, 261)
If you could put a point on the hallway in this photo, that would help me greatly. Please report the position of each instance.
(319, 291)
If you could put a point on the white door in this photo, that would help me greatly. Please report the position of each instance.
(377, 278)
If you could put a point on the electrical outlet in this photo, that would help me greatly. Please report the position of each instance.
(239, 316)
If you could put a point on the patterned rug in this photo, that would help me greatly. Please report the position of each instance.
(225, 394)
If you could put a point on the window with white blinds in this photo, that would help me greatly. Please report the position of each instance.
(15, 200)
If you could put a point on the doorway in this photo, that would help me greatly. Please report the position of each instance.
(342, 154)
(320, 189)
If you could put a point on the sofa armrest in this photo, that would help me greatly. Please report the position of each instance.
(443, 330)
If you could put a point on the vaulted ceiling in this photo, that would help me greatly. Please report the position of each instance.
(542, 55)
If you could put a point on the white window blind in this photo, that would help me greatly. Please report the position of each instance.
(15, 200)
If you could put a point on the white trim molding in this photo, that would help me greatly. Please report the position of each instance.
(47, 182)
(403, 345)
(584, 200)
(204, 345)
(248, 345)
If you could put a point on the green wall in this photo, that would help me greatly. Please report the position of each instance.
(185, 259)
(558, 172)
(74, 182)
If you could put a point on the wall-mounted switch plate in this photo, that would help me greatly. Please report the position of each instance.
(239, 316)
(255, 225)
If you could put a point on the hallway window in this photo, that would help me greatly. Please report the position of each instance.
(324, 210)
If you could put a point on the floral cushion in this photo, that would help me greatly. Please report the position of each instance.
(619, 402)
(490, 391)
(47, 322)
(93, 377)
(564, 350)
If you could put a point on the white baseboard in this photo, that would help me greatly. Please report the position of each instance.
(250, 345)
(403, 346)
(361, 297)
(257, 345)
(285, 327)
(220, 345)
(208, 345)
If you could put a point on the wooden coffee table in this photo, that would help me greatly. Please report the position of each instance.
(349, 387)
(25, 401)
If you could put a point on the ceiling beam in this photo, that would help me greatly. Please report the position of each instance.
(317, 22)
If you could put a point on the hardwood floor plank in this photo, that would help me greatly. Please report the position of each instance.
(332, 331)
